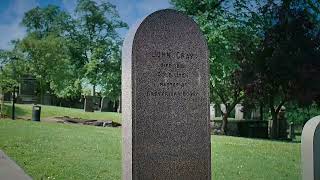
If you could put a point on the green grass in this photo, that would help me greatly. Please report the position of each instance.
(25, 111)
(59, 151)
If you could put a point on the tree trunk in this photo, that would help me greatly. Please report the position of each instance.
(94, 90)
(41, 91)
(120, 105)
(261, 111)
(224, 124)
(1, 103)
(274, 133)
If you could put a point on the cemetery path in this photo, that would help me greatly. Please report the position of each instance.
(10, 170)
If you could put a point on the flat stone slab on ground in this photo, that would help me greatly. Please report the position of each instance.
(9, 170)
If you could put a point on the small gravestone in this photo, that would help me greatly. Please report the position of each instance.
(239, 112)
(105, 105)
(310, 149)
(27, 90)
(89, 104)
(223, 109)
(217, 110)
(212, 112)
(165, 98)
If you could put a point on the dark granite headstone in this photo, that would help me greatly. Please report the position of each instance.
(27, 90)
(165, 100)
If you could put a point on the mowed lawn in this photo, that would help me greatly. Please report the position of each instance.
(62, 151)
(24, 111)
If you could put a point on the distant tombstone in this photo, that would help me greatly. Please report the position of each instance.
(212, 111)
(105, 105)
(165, 100)
(1, 102)
(255, 114)
(223, 109)
(89, 104)
(292, 134)
(310, 149)
(217, 110)
(27, 90)
(239, 112)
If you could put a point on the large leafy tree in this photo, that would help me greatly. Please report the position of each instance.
(229, 41)
(98, 44)
(47, 53)
(286, 66)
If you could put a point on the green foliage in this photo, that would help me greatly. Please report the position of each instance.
(13, 66)
(49, 62)
(96, 32)
(64, 52)
(47, 20)
(299, 115)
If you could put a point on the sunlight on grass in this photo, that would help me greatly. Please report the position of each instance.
(49, 150)
(25, 111)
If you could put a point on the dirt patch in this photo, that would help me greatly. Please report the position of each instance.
(90, 122)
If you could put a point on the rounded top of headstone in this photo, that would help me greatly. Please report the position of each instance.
(310, 128)
(166, 21)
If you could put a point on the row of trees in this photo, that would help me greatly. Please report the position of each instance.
(67, 53)
(264, 53)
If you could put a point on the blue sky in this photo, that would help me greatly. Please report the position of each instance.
(12, 11)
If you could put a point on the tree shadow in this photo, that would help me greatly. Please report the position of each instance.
(20, 112)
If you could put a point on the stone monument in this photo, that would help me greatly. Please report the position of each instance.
(239, 112)
(165, 98)
(212, 112)
(89, 104)
(310, 149)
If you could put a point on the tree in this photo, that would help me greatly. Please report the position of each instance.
(229, 41)
(286, 67)
(47, 51)
(49, 62)
(98, 39)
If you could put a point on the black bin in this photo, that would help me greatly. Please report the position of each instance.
(36, 111)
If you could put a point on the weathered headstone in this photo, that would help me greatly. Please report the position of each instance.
(310, 149)
(105, 105)
(165, 98)
(217, 110)
(223, 109)
(212, 111)
(239, 112)
(89, 104)
(27, 90)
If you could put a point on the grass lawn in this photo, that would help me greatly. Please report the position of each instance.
(25, 111)
(60, 151)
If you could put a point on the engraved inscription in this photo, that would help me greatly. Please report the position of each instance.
(173, 76)
(170, 54)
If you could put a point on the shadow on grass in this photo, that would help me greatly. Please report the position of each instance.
(19, 111)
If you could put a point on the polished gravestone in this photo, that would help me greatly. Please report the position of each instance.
(310, 149)
(165, 97)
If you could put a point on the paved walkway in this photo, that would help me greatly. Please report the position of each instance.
(9, 170)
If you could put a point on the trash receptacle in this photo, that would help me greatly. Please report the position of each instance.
(36, 111)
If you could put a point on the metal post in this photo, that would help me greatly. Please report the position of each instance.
(14, 89)
(13, 104)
